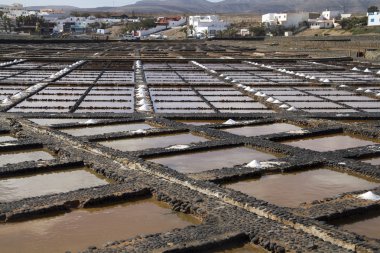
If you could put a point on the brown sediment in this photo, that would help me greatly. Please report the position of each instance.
(48, 122)
(17, 188)
(367, 224)
(79, 229)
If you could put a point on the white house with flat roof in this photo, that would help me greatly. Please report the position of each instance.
(287, 20)
(321, 24)
(210, 24)
(330, 15)
(373, 19)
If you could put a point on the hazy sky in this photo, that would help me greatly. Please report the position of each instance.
(83, 3)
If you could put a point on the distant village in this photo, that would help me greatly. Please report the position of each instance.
(17, 20)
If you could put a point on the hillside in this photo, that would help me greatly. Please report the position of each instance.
(233, 6)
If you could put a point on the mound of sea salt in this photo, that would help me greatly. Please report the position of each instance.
(369, 196)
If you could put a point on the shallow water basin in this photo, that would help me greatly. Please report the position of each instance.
(292, 189)
(232, 248)
(135, 144)
(79, 229)
(49, 122)
(214, 159)
(368, 226)
(13, 189)
(373, 161)
(95, 130)
(24, 156)
(263, 129)
(329, 143)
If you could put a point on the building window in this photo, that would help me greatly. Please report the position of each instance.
(372, 20)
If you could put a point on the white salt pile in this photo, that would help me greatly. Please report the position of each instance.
(230, 122)
(298, 132)
(254, 164)
(6, 101)
(142, 102)
(90, 121)
(369, 196)
(140, 131)
(178, 147)
(144, 108)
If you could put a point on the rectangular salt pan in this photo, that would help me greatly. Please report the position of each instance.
(368, 226)
(262, 129)
(329, 143)
(214, 159)
(24, 156)
(88, 131)
(44, 184)
(78, 230)
(292, 189)
(135, 144)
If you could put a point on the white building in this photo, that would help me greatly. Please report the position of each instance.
(103, 31)
(321, 24)
(15, 10)
(330, 15)
(244, 32)
(373, 19)
(287, 20)
(162, 24)
(81, 22)
(207, 24)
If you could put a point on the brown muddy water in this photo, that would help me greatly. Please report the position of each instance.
(292, 189)
(263, 129)
(77, 230)
(17, 188)
(329, 143)
(368, 226)
(247, 248)
(214, 159)
(136, 144)
(373, 161)
(24, 156)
